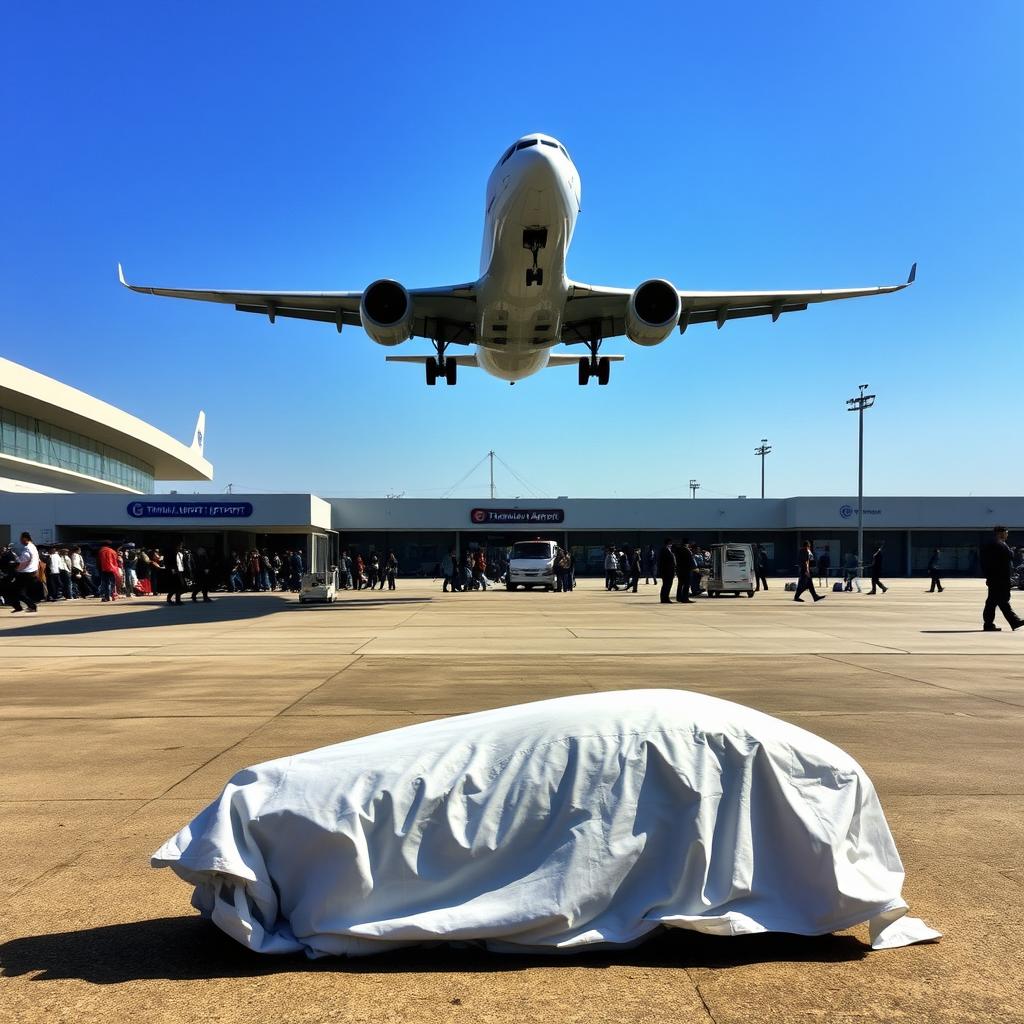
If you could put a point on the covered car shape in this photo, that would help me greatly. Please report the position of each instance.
(579, 821)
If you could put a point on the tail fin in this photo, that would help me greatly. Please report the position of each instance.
(199, 437)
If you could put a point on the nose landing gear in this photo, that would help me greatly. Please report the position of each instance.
(535, 239)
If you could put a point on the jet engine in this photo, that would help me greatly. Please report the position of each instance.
(385, 311)
(653, 312)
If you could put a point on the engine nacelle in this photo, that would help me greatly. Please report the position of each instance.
(385, 311)
(653, 312)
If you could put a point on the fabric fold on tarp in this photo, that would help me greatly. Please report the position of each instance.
(579, 821)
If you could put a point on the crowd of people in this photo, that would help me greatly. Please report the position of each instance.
(31, 575)
(358, 573)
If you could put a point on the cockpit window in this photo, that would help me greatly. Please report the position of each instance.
(545, 142)
(528, 142)
(563, 149)
(508, 153)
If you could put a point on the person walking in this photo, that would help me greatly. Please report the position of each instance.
(851, 573)
(685, 566)
(806, 580)
(876, 570)
(26, 577)
(824, 564)
(666, 570)
(390, 570)
(174, 574)
(650, 565)
(611, 565)
(448, 565)
(933, 571)
(997, 565)
(699, 561)
(106, 562)
(760, 567)
(479, 569)
(201, 575)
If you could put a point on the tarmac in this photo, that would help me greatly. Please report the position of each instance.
(121, 721)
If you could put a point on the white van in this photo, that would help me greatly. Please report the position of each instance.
(732, 570)
(531, 563)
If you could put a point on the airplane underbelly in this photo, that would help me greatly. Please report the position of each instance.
(511, 363)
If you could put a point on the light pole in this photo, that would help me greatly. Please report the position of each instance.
(763, 449)
(694, 488)
(858, 405)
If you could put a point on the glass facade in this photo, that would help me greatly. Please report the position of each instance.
(25, 437)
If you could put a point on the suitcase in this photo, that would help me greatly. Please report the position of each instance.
(837, 588)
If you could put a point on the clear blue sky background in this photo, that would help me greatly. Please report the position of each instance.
(735, 146)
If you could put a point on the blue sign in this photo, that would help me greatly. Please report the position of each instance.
(189, 509)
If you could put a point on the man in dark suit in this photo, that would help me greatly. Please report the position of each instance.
(761, 567)
(997, 565)
(684, 571)
(666, 570)
(876, 570)
(806, 581)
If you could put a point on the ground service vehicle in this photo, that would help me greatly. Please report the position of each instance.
(531, 563)
(732, 570)
(319, 586)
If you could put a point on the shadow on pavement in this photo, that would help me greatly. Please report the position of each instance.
(223, 608)
(191, 949)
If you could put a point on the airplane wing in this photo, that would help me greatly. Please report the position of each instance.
(596, 311)
(449, 311)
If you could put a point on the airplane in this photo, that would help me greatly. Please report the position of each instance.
(523, 304)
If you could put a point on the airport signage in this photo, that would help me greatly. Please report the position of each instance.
(189, 509)
(513, 516)
(849, 511)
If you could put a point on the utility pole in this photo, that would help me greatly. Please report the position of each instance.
(694, 487)
(490, 455)
(763, 449)
(858, 405)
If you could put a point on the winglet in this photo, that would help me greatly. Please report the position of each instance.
(913, 274)
(199, 437)
(120, 276)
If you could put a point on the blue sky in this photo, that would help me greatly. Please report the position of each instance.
(721, 146)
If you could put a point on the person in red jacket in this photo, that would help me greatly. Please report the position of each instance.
(106, 562)
(479, 565)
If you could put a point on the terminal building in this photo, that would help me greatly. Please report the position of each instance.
(76, 470)
(420, 531)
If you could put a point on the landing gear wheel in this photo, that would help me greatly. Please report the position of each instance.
(584, 372)
(431, 365)
(604, 369)
(451, 369)
(534, 275)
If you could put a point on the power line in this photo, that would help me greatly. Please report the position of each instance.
(526, 484)
(465, 478)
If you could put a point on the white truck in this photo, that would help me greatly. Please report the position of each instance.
(732, 570)
(531, 563)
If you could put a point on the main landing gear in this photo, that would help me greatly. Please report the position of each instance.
(444, 368)
(441, 367)
(592, 366)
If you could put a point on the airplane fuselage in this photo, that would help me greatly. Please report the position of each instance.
(533, 199)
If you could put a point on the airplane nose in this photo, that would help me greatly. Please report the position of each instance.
(536, 167)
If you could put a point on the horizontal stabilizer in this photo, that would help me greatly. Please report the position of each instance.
(558, 359)
(461, 360)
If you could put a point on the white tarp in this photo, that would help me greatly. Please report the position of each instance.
(564, 823)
